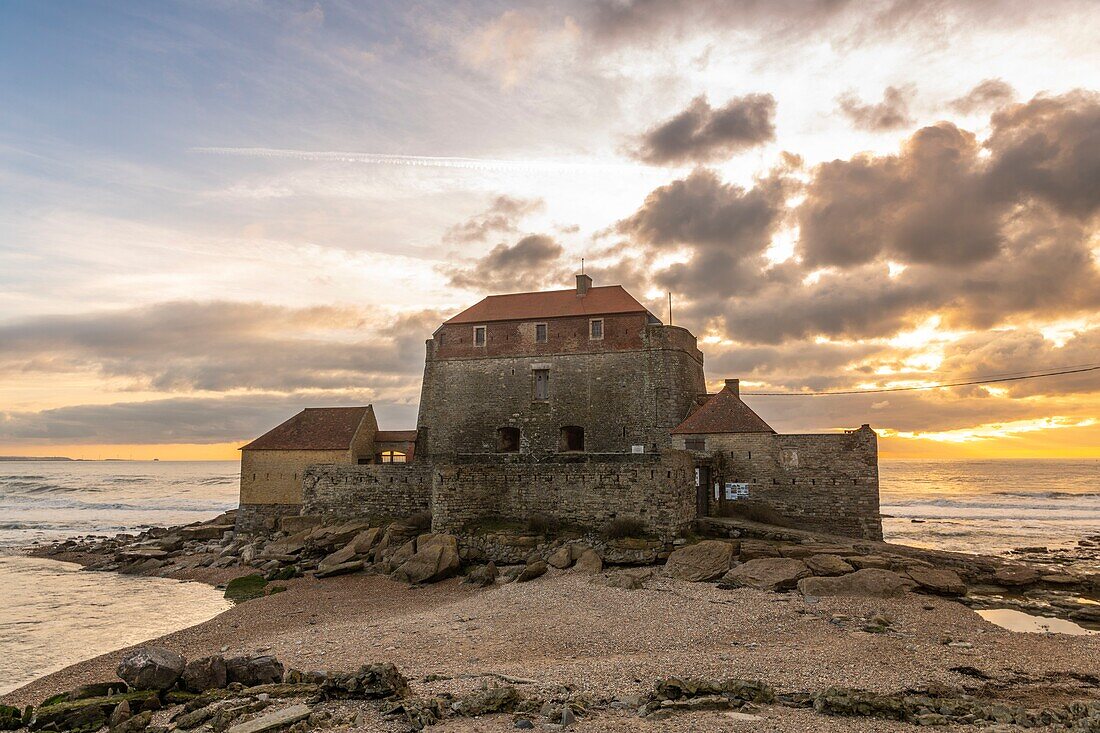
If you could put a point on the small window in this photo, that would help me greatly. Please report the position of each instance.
(595, 328)
(364, 461)
(572, 438)
(479, 335)
(508, 440)
(542, 384)
(393, 456)
(699, 444)
(540, 333)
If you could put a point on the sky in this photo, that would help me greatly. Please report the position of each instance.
(216, 213)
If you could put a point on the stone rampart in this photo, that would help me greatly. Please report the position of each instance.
(590, 492)
(372, 491)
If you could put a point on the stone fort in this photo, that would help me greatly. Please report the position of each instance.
(579, 404)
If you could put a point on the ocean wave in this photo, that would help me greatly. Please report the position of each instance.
(1049, 494)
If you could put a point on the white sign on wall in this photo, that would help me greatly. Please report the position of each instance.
(736, 491)
(637, 449)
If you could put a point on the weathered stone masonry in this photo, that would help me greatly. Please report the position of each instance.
(376, 491)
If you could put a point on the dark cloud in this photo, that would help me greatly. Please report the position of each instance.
(990, 94)
(217, 346)
(702, 134)
(725, 227)
(889, 114)
(981, 234)
(182, 420)
(501, 217)
(528, 264)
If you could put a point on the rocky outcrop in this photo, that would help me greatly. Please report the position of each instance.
(827, 565)
(531, 570)
(258, 670)
(150, 668)
(589, 562)
(369, 682)
(768, 573)
(871, 582)
(703, 561)
(206, 673)
(939, 581)
(435, 560)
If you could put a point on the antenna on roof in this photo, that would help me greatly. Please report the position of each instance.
(582, 265)
(670, 307)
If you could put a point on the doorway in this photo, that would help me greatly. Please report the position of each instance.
(702, 491)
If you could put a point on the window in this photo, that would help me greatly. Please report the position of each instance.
(479, 335)
(595, 328)
(540, 333)
(364, 461)
(542, 384)
(393, 456)
(572, 438)
(699, 444)
(508, 440)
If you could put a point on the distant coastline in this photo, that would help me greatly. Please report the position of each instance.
(36, 458)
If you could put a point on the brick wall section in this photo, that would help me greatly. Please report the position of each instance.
(375, 491)
(825, 482)
(621, 398)
(659, 491)
(563, 336)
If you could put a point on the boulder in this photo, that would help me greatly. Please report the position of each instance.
(291, 545)
(369, 682)
(756, 549)
(633, 579)
(273, 721)
(334, 536)
(632, 551)
(92, 689)
(120, 715)
(561, 558)
(395, 536)
(531, 571)
(767, 573)
(150, 668)
(863, 562)
(940, 581)
(344, 568)
(205, 531)
(132, 724)
(706, 560)
(207, 673)
(872, 582)
(1015, 575)
(358, 548)
(809, 550)
(250, 671)
(429, 539)
(402, 554)
(827, 565)
(589, 562)
(437, 561)
(482, 575)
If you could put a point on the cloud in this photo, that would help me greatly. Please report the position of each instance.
(702, 134)
(502, 216)
(988, 95)
(889, 114)
(217, 346)
(528, 264)
(178, 420)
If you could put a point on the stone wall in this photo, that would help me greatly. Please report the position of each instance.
(621, 398)
(588, 491)
(375, 491)
(825, 482)
(262, 518)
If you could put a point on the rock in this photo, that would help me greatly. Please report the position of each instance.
(827, 565)
(632, 551)
(871, 582)
(1015, 575)
(291, 545)
(633, 579)
(437, 561)
(1060, 579)
(482, 575)
(11, 718)
(756, 549)
(205, 531)
(561, 558)
(703, 561)
(863, 562)
(370, 682)
(531, 571)
(144, 553)
(589, 562)
(403, 554)
(86, 716)
(767, 573)
(150, 668)
(207, 673)
(524, 723)
(940, 581)
(251, 671)
(343, 568)
(330, 537)
(120, 715)
(92, 689)
(567, 716)
(361, 546)
(500, 699)
(133, 724)
(273, 721)
(246, 588)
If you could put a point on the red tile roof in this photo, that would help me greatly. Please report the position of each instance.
(314, 428)
(395, 436)
(723, 413)
(604, 300)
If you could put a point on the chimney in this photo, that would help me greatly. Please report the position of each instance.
(734, 385)
(584, 282)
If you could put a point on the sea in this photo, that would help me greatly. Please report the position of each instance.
(52, 614)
